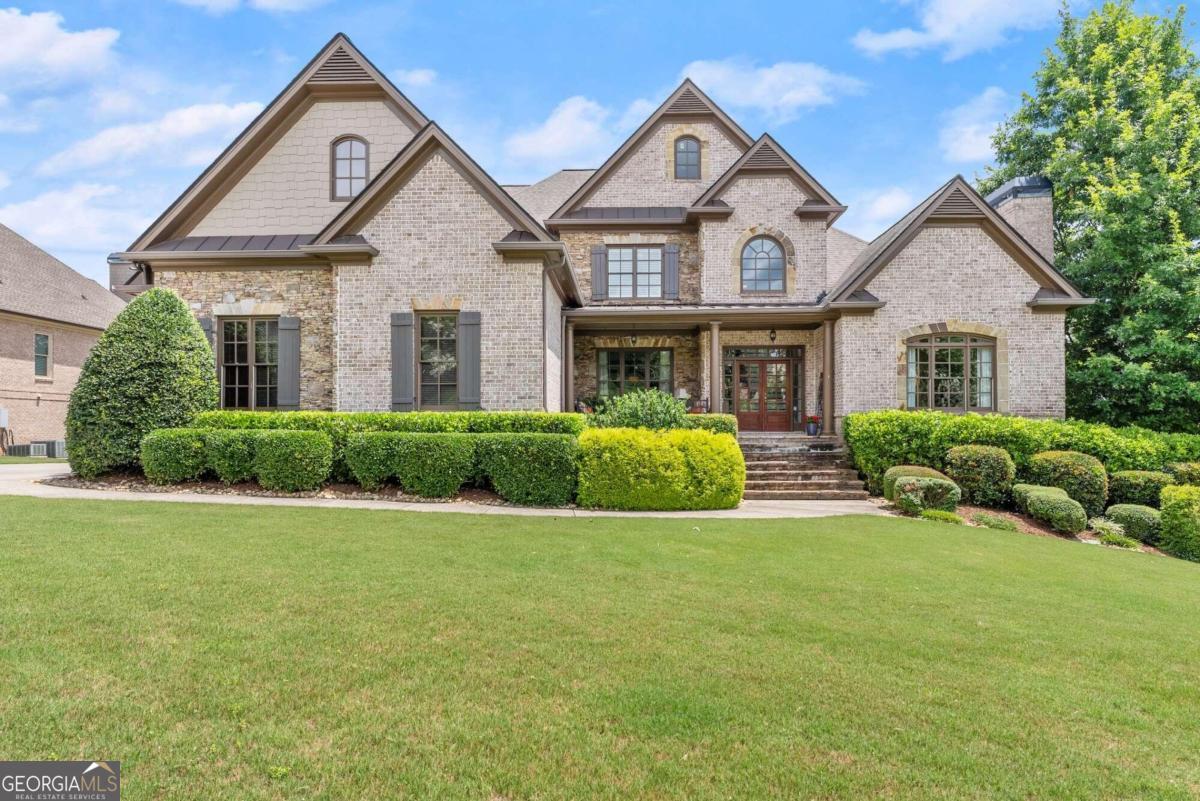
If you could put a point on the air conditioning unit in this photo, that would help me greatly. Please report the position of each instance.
(33, 449)
(55, 448)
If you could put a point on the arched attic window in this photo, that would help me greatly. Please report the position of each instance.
(951, 372)
(348, 167)
(687, 158)
(763, 265)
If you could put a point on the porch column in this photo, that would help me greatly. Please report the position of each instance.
(827, 427)
(714, 368)
(569, 365)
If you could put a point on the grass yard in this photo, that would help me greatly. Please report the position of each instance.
(255, 653)
(30, 460)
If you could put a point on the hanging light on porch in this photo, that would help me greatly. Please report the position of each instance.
(772, 335)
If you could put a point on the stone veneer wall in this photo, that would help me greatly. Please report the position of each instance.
(579, 245)
(762, 205)
(435, 240)
(687, 359)
(306, 294)
(952, 273)
(647, 176)
(287, 191)
(37, 406)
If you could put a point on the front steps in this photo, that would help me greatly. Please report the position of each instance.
(795, 467)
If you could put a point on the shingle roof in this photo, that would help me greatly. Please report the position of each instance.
(35, 283)
(542, 198)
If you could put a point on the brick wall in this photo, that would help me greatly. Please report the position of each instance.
(1033, 217)
(306, 294)
(435, 240)
(579, 245)
(37, 407)
(287, 190)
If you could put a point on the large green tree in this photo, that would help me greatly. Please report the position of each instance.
(1114, 122)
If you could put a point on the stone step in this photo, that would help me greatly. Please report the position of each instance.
(803, 486)
(805, 495)
(796, 449)
(784, 474)
(797, 462)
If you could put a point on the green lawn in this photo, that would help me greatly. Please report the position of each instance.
(29, 460)
(255, 653)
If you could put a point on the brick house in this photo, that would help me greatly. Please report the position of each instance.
(50, 316)
(345, 253)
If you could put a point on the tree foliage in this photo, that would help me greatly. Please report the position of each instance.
(1114, 122)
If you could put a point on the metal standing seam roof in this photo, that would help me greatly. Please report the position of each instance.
(233, 244)
(627, 213)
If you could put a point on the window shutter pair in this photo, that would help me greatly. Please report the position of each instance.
(206, 325)
(404, 361)
(670, 284)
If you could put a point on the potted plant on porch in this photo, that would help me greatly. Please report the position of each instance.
(812, 424)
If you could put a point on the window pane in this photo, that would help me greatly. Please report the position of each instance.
(341, 169)
(358, 169)
(981, 378)
(40, 366)
(438, 367)
(763, 266)
(358, 150)
(342, 187)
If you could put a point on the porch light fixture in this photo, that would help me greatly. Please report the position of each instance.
(633, 339)
(772, 335)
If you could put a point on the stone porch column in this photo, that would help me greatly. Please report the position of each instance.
(714, 367)
(569, 366)
(827, 423)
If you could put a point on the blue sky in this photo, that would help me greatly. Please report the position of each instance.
(109, 109)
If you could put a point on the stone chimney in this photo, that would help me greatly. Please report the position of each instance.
(1027, 205)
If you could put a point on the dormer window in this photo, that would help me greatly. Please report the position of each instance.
(687, 158)
(349, 167)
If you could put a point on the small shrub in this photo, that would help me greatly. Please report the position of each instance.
(531, 469)
(1118, 541)
(1138, 486)
(1021, 493)
(716, 423)
(914, 494)
(292, 461)
(994, 521)
(1180, 533)
(900, 470)
(1185, 472)
(1053, 506)
(370, 458)
(433, 465)
(1140, 522)
(643, 408)
(1082, 477)
(1102, 525)
(984, 472)
(625, 468)
(231, 454)
(941, 516)
(171, 455)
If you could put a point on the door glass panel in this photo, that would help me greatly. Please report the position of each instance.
(776, 387)
(749, 378)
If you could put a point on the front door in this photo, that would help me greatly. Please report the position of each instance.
(763, 394)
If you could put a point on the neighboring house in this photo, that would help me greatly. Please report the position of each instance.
(345, 253)
(50, 316)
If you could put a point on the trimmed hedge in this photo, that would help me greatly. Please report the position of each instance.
(716, 423)
(1051, 505)
(292, 461)
(880, 439)
(530, 469)
(985, 473)
(1140, 522)
(633, 468)
(1185, 472)
(1180, 533)
(430, 465)
(1138, 486)
(171, 455)
(894, 473)
(231, 454)
(915, 494)
(1080, 475)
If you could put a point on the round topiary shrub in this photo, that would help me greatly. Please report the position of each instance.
(1082, 477)
(1138, 486)
(1185, 472)
(983, 472)
(1140, 522)
(915, 494)
(643, 408)
(151, 369)
(915, 470)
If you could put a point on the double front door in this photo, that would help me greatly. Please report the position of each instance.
(762, 397)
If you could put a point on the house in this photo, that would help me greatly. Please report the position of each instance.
(50, 316)
(344, 252)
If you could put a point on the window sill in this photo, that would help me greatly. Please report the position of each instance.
(42, 379)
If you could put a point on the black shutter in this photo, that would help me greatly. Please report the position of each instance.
(599, 272)
(469, 358)
(403, 362)
(671, 272)
(289, 364)
(206, 325)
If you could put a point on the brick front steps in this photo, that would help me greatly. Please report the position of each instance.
(794, 467)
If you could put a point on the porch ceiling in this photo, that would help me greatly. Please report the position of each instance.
(684, 318)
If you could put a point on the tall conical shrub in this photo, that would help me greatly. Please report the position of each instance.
(151, 369)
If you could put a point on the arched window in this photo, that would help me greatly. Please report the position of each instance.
(953, 372)
(687, 157)
(349, 167)
(762, 265)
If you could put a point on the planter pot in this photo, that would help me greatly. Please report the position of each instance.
(812, 429)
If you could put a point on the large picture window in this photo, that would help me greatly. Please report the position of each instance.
(438, 361)
(762, 265)
(623, 371)
(249, 351)
(951, 372)
(635, 272)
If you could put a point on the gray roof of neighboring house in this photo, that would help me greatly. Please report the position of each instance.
(34, 283)
(542, 198)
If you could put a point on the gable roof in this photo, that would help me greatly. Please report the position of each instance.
(956, 201)
(768, 156)
(404, 165)
(542, 198)
(338, 69)
(34, 283)
(686, 102)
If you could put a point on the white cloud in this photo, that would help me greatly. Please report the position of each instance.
(780, 90)
(414, 79)
(225, 6)
(15, 122)
(873, 211)
(966, 134)
(82, 217)
(960, 27)
(191, 130)
(577, 133)
(35, 50)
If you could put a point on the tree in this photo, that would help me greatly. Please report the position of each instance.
(151, 369)
(1114, 123)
